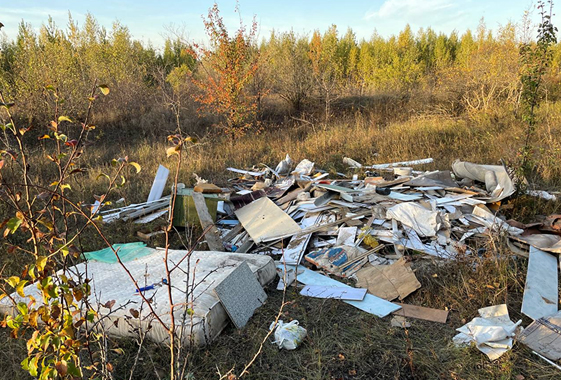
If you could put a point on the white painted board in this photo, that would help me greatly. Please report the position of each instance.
(159, 184)
(265, 221)
(540, 294)
(318, 291)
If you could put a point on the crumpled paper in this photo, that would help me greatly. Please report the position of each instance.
(493, 333)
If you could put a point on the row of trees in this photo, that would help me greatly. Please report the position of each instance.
(473, 71)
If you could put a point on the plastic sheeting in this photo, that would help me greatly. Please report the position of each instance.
(126, 252)
(425, 222)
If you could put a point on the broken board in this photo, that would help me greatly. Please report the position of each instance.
(297, 245)
(241, 294)
(419, 312)
(540, 294)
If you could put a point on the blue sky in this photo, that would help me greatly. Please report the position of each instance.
(150, 20)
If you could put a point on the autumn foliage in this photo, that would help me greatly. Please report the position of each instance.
(225, 70)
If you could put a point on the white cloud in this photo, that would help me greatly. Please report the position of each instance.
(411, 9)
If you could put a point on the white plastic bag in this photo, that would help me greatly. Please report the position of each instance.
(289, 335)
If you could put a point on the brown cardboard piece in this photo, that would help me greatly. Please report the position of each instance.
(388, 281)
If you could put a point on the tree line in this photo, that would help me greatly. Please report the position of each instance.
(470, 72)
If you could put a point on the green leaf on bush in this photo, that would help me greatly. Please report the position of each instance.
(13, 224)
(22, 307)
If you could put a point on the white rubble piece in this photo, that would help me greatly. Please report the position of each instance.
(425, 222)
(492, 332)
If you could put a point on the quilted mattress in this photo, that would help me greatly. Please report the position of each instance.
(199, 275)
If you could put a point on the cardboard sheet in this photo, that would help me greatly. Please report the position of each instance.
(388, 281)
(419, 312)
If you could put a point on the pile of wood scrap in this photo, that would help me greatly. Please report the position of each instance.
(140, 212)
(154, 207)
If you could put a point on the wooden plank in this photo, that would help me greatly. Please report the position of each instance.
(212, 236)
(207, 188)
(245, 247)
(233, 233)
(419, 312)
(133, 214)
(540, 294)
(292, 195)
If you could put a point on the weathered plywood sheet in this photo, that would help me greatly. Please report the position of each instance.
(544, 336)
(265, 221)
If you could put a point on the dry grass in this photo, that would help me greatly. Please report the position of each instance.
(343, 343)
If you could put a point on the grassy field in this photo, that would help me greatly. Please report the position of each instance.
(342, 342)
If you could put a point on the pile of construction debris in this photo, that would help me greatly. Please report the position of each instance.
(324, 228)
(361, 228)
